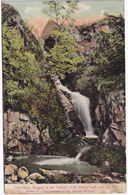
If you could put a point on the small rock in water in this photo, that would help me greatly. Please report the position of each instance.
(10, 169)
(22, 172)
(10, 158)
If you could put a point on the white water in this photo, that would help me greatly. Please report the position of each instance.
(64, 160)
(82, 107)
(59, 161)
(84, 149)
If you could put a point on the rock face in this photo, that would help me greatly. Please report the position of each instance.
(49, 41)
(11, 15)
(110, 117)
(21, 136)
(50, 26)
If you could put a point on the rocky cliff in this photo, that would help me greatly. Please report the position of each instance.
(110, 117)
(21, 136)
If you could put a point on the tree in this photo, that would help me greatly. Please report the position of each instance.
(60, 11)
(63, 57)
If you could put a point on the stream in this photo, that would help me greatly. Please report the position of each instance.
(73, 165)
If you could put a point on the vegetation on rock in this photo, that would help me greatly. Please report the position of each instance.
(63, 57)
(105, 61)
(115, 156)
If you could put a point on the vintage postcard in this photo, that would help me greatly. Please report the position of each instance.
(63, 65)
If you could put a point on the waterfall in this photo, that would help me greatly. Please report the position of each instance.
(82, 107)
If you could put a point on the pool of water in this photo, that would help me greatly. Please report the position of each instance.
(33, 164)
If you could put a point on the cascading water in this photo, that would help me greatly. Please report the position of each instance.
(82, 107)
(84, 149)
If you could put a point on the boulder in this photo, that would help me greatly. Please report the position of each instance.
(117, 180)
(10, 169)
(46, 172)
(22, 172)
(8, 181)
(116, 174)
(14, 177)
(120, 137)
(45, 136)
(61, 172)
(12, 116)
(36, 177)
(105, 168)
(34, 133)
(107, 179)
(22, 181)
(24, 117)
(31, 182)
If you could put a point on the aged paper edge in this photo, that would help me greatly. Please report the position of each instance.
(95, 188)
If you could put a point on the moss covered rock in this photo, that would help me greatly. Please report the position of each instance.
(100, 153)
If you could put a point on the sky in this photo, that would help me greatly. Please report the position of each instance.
(89, 11)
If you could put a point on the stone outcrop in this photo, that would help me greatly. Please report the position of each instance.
(50, 26)
(21, 136)
(110, 117)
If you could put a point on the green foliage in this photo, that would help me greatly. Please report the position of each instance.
(60, 11)
(19, 66)
(116, 157)
(63, 57)
(62, 179)
(106, 61)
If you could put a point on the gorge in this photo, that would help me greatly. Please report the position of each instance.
(48, 124)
